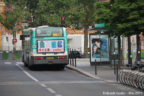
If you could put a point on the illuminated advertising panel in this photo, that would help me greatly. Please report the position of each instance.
(99, 48)
(45, 46)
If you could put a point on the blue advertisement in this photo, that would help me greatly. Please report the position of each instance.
(53, 44)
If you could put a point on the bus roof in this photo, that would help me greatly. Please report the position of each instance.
(43, 26)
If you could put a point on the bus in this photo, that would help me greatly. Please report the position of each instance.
(45, 45)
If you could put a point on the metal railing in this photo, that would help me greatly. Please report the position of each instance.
(72, 57)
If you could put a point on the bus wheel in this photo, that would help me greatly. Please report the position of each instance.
(23, 58)
(29, 64)
(61, 67)
(25, 64)
(30, 67)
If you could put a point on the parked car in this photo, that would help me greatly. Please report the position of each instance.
(75, 54)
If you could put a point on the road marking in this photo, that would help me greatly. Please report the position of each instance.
(110, 81)
(51, 90)
(20, 63)
(17, 83)
(36, 80)
(29, 75)
(71, 82)
(7, 63)
(58, 95)
(43, 85)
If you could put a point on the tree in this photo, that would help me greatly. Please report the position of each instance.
(49, 12)
(122, 17)
(14, 13)
(88, 18)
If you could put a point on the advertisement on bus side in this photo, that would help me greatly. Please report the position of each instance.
(50, 46)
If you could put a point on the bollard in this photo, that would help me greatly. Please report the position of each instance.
(72, 58)
(117, 73)
(114, 67)
(95, 68)
(75, 62)
(68, 56)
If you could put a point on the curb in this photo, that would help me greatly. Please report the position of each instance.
(88, 74)
(83, 72)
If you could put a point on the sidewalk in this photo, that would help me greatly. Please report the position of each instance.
(105, 73)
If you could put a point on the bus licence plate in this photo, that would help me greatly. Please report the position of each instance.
(50, 58)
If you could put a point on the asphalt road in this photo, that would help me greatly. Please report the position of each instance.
(16, 80)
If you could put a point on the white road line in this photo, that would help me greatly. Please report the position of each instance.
(8, 63)
(29, 75)
(43, 85)
(71, 82)
(19, 63)
(36, 80)
(51, 90)
(110, 81)
(58, 95)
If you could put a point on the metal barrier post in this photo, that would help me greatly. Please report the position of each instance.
(117, 72)
(68, 56)
(114, 64)
(95, 68)
(72, 58)
(75, 59)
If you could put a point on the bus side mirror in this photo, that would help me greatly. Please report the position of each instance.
(22, 37)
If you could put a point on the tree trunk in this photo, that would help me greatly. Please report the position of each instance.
(119, 51)
(129, 52)
(138, 57)
(85, 42)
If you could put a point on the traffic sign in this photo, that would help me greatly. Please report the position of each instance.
(99, 25)
(14, 40)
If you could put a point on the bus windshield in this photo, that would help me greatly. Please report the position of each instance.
(49, 32)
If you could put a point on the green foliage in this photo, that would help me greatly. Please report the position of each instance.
(16, 13)
(5, 55)
(88, 15)
(122, 17)
(31, 4)
(49, 12)
(17, 55)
